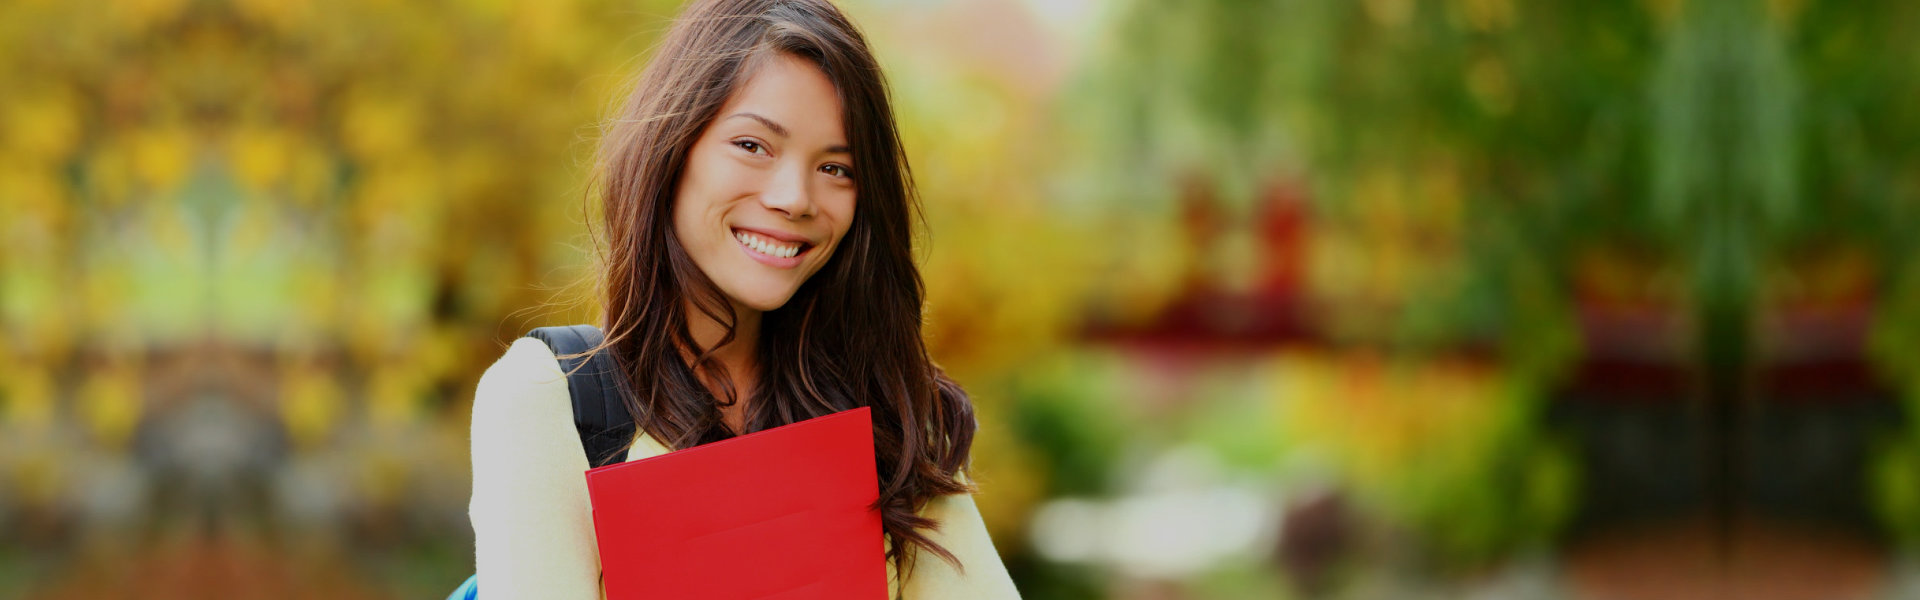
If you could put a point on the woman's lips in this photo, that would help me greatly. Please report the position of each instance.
(770, 251)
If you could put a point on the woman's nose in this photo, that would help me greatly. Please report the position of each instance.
(788, 193)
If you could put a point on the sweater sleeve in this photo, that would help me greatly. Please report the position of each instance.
(963, 533)
(532, 521)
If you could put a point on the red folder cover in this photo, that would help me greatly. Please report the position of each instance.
(775, 514)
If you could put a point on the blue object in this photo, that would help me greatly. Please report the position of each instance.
(467, 591)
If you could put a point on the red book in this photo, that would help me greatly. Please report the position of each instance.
(775, 514)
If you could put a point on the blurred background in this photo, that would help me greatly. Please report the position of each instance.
(1256, 298)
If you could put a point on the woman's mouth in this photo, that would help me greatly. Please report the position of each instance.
(771, 251)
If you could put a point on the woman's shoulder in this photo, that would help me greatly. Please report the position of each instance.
(962, 532)
(524, 385)
(527, 364)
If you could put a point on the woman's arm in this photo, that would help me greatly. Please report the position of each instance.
(532, 521)
(963, 533)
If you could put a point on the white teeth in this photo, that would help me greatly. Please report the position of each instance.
(766, 246)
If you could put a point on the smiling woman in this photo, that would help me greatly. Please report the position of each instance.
(768, 182)
(762, 206)
(758, 271)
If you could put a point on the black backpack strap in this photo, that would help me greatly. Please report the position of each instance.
(599, 409)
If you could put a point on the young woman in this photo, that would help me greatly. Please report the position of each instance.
(758, 271)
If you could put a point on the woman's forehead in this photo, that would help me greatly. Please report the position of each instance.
(791, 96)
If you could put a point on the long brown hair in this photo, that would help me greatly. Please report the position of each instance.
(849, 337)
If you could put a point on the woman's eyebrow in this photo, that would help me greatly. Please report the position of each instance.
(782, 131)
(777, 129)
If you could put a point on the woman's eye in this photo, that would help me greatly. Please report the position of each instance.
(750, 146)
(836, 170)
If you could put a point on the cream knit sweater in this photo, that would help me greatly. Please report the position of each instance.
(533, 524)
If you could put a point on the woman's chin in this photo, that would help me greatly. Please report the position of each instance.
(763, 300)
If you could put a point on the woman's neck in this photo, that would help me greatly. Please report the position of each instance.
(738, 356)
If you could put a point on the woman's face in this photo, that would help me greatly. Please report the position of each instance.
(767, 192)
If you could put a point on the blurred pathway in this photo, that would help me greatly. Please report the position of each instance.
(1769, 561)
(212, 568)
